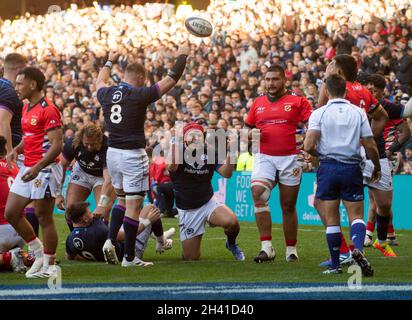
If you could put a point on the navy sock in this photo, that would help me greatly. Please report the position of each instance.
(116, 222)
(130, 232)
(382, 224)
(31, 217)
(333, 237)
(157, 228)
(358, 233)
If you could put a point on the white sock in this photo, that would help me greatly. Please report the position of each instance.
(267, 246)
(46, 260)
(35, 245)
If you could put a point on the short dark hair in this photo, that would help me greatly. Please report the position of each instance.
(13, 59)
(276, 68)
(136, 68)
(377, 80)
(76, 211)
(3, 142)
(34, 74)
(336, 85)
(348, 65)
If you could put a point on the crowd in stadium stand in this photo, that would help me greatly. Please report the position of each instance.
(224, 72)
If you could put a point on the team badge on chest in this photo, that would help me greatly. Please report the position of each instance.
(288, 107)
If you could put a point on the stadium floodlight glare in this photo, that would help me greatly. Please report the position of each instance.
(183, 11)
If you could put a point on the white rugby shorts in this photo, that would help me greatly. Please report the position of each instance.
(47, 183)
(9, 238)
(192, 222)
(385, 183)
(284, 169)
(128, 169)
(82, 178)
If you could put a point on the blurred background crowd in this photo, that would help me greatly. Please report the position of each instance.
(224, 72)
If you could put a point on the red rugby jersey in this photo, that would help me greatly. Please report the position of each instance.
(278, 122)
(6, 179)
(360, 96)
(390, 133)
(36, 121)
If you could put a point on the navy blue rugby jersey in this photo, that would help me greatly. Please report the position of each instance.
(124, 110)
(10, 101)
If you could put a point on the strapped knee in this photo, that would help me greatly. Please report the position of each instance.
(267, 185)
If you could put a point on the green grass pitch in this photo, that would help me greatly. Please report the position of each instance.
(217, 264)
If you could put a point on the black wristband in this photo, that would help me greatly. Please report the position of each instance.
(178, 68)
(396, 146)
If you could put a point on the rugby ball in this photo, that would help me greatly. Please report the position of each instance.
(199, 27)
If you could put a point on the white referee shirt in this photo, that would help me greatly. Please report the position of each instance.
(341, 125)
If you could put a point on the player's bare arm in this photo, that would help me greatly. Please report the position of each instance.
(311, 139)
(226, 170)
(12, 156)
(5, 129)
(379, 119)
(60, 198)
(104, 74)
(372, 151)
(55, 137)
(174, 75)
(104, 204)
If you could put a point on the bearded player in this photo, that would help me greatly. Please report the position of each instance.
(277, 115)
(124, 109)
(39, 177)
(192, 186)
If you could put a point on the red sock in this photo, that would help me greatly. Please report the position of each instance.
(291, 243)
(6, 259)
(265, 238)
(391, 229)
(343, 245)
(370, 226)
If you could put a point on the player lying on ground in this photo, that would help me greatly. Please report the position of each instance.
(396, 134)
(39, 178)
(89, 234)
(335, 134)
(124, 109)
(277, 115)
(89, 173)
(192, 185)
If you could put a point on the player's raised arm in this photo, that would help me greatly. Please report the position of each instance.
(104, 74)
(175, 73)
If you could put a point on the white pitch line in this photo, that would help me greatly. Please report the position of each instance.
(175, 290)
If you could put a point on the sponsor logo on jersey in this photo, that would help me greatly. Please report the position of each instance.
(117, 96)
(260, 109)
(78, 243)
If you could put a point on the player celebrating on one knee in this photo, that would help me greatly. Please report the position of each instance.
(124, 109)
(192, 185)
(89, 149)
(277, 114)
(334, 135)
(39, 178)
